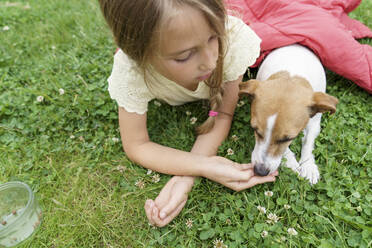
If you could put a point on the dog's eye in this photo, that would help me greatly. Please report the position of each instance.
(284, 140)
(258, 134)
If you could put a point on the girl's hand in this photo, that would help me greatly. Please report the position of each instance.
(170, 201)
(233, 175)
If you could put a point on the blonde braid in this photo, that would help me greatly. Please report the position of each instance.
(215, 93)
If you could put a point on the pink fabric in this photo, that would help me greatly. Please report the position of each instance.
(321, 25)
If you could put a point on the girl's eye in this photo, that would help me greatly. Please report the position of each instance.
(183, 58)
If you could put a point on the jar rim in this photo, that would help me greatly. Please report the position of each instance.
(27, 207)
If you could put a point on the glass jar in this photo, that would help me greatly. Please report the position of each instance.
(20, 213)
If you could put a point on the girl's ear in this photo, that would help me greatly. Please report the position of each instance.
(248, 88)
(323, 102)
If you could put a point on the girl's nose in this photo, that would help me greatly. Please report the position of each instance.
(209, 59)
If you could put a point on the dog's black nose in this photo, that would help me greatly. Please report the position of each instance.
(260, 170)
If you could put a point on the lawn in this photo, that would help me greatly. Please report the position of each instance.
(59, 133)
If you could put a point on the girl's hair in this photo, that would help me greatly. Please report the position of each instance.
(136, 25)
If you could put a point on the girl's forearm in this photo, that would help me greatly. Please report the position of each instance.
(207, 144)
(168, 160)
(176, 162)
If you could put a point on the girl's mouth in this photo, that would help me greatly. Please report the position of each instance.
(202, 78)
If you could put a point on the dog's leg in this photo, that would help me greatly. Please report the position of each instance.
(308, 168)
(291, 162)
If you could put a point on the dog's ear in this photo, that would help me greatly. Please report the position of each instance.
(323, 102)
(248, 87)
(280, 74)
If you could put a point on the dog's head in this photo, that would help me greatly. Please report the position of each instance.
(280, 109)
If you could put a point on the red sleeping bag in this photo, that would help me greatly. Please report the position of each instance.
(321, 25)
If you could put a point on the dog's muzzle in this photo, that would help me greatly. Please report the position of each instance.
(259, 169)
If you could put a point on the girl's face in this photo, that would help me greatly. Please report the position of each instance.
(188, 49)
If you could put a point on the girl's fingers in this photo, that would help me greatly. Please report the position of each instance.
(162, 199)
(254, 180)
(275, 173)
(245, 166)
(244, 175)
(170, 207)
(149, 205)
(155, 216)
(260, 180)
(172, 215)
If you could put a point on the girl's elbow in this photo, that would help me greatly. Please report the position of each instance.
(132, 152)
(129, 152)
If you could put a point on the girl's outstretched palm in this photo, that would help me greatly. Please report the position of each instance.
(234, 175)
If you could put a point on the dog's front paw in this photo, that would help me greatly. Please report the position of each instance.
(291, 161)
(309, 171)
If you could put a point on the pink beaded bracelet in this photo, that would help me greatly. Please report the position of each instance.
(212, 113)
(215, 113)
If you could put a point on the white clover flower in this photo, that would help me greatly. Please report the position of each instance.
(148, 172)
(54, 47)
(193, 120)
(152, 226)
(230, 152)
(272, 218)
(286, 206)
(81, 138)
(157, 103)
(261, 209)
(292, 231)
(121, 168)
(234, 137)
(218, 243)
(140, 183)
(72, 137)
(359, 209)
(269, 193)
(228, 221)
(188, 113)
(40, 98)
(264, 233)
(155, 178)
(240, 103)
(61, 91)
(6, 28)
(189, 223)
(115, 139)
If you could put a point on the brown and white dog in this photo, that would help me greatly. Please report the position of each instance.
(288, 96)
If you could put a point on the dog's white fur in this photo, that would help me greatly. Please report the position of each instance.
(298, 61)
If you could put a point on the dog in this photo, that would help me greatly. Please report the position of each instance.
(288, 96)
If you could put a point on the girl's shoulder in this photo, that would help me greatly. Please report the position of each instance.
(127, 86)
(238, 32)
(242, 48)
(126, 66)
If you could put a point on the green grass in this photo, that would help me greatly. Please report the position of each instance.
(86, 185)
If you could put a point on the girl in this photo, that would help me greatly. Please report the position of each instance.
(179, 51)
